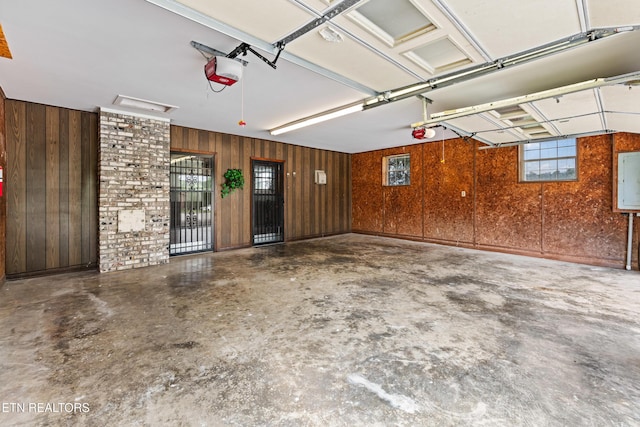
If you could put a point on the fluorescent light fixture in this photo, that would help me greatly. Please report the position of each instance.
(398, 94)
(143, 104)
(318, 118)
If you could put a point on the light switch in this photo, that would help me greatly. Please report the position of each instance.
(321, 177)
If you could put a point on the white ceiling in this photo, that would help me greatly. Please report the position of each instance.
(82, 54)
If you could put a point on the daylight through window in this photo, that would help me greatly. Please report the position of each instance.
(397, 170)
(549, 161)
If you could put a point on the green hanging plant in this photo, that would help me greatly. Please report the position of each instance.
(233, 180)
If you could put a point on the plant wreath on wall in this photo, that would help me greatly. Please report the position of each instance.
(233, 180)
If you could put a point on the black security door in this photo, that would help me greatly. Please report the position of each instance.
(267, 202)
(191, 204)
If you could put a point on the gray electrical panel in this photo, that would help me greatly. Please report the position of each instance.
(629, 181)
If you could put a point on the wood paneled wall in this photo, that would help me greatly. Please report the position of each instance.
(3, 199)
(51, 188)
(311, 210)
(572, 221)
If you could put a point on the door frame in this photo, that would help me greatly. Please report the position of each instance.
(212, 157)
(280, 195)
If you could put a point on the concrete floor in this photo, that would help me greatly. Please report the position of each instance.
(342, 331)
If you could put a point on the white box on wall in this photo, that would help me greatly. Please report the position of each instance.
(629, 181)
(130, 220)
(321, 177)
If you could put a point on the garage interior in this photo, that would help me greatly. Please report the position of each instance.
(453, 240)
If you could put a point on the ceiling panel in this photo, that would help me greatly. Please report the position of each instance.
(602, 58)
(503, 28)
(393, 22)
(525, 119)
(613, 13)
(400, 52)
(621, 98)
(485, 126)
(577, 125)
(623, 122)
(351, 59)
(572, 104)
(572, 113)
(267, 20)
(439, 56)
(622, 106)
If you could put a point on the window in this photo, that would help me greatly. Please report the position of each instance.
(549, 161)
(396, 170)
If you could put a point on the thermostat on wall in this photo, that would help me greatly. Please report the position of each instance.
(321, 177)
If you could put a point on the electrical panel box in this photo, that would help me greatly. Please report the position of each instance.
(629, 181)
(321, 177)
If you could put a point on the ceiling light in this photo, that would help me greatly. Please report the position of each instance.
(398, 94)
(331, 35)
(318, 118)
(143, 104)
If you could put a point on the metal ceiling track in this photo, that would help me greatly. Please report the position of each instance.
(419, 89)
(551, 138)
(331, 13)
(221, 27)
(354, 37)
(213, 52)
(493, 66)
(538, 96)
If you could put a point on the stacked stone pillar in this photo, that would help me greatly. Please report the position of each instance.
(133, 201)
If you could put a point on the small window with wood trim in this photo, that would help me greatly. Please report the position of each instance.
(396, 170)
(549, 161)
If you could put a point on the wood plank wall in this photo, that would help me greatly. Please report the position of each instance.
(311, 210)
(51, 188)
(572, 221)
(3, 199)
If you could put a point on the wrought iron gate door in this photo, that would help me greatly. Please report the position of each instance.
(267, 202)
(191, 204)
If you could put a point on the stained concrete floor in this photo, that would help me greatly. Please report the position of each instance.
(341, 331)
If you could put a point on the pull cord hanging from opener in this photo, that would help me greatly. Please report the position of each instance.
(442, 159)
(242, 123)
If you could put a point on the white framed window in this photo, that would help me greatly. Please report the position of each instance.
(549, 161)
(396, 170)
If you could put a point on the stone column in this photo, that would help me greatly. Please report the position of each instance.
(133, 200)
